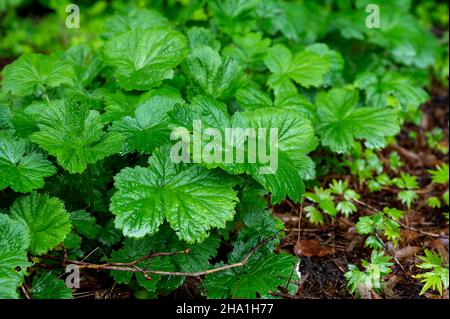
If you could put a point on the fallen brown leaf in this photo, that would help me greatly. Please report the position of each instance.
(389, 287)
(355, 242)
(312, 248)
(409, 236)
(406, 252)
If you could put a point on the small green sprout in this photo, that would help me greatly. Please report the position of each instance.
(438, 275)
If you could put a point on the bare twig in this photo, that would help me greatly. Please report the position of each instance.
(132, 266)
(25, 292)
(388, 251)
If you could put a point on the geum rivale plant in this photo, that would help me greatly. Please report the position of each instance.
(87, 155)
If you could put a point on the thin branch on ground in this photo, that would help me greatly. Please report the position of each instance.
(388, 250)
(132, 266)
(25, 292)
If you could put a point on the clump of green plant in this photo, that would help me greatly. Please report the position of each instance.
(372, 276)
(435, 140)
(436, 275)
(409, 186)
(363, 163)
(338, 198)
(440, 176)
(383, 223)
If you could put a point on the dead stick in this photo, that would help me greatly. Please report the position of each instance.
(131, 266)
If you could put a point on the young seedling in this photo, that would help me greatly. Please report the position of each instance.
(372, 276)
(437, 275)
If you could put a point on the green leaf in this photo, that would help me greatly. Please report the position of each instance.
(440, 175)
(86, 63)
(199, 254)
(339, 186)
(253, 200)
(233, 16)
(6, 125)
(192, 199)
(355, 278)
(437, 277)
(401, 5)
(306, 68)
(393, 212)
(85, 224)
(328, 207)
(74, 134)
(381, 261)
(407, 197)
(283, 17)
(21, 168)
(25, 120)
(143, 59)
(335, 60)
(379, 91)
(259, 277)
(35, 73)
(315, 217)
(249, 50)
(14, 242)
(295, 140)
(160, 283)
(365, 225)
(199, 37)
(119, 105)
(258, 220)
(135, 19)
(47, 220)
(72, 241)
(340, 121)
(445, 197)
(406, 181)
(373, 243)
(251, 98)
(391, 230)
(109, 235)
(48, 286)
(430, 260)
(149, 128)
(372, 277)
(212, 75)
(405, 39)
(434, 202)
(347, 208)
(134, 249)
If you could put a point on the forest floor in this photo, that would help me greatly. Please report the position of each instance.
(327, 250)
